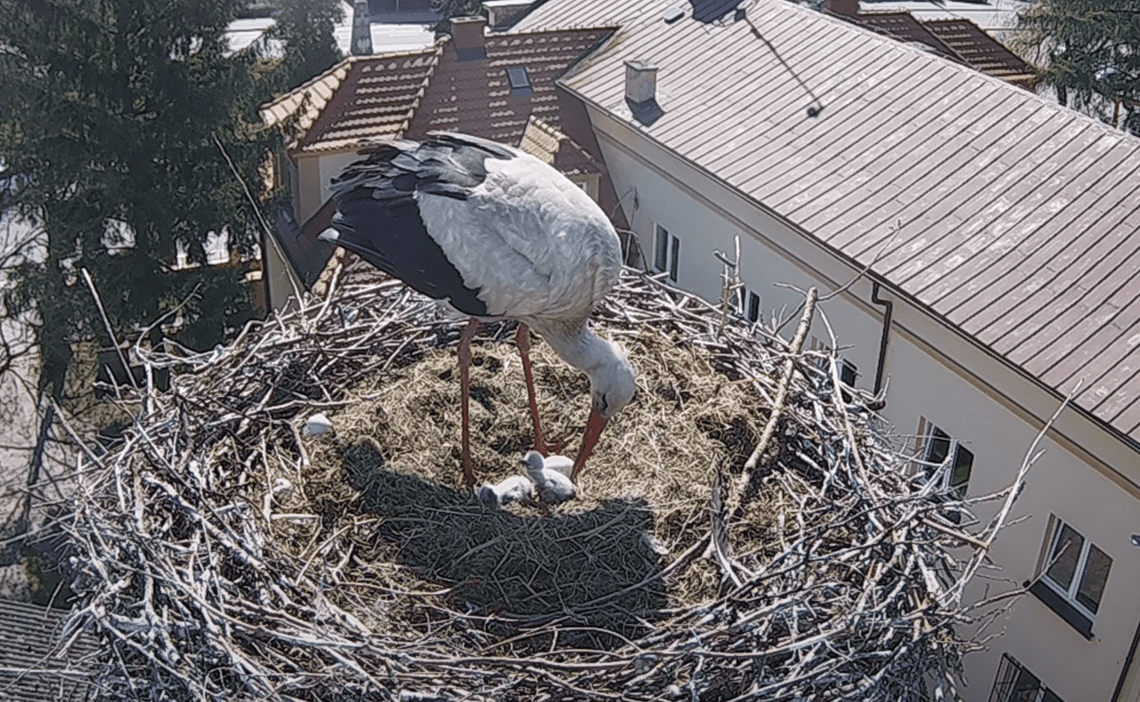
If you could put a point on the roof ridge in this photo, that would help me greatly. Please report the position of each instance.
(331, 70)
(561, 137)
(436, 56)
(554, 30)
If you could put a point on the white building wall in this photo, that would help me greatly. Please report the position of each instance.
(938, 375)
(330, 166)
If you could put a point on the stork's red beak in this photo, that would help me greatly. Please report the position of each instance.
(594, 426)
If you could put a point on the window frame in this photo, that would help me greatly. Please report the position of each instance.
(666, 252)
(523, 87)
(1069, 595)
(846, 365)
(1009, 674)
(954, 446)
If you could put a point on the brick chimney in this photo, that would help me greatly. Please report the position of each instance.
(361, 38)
(467, 35)
(640, 82)
(845, 8)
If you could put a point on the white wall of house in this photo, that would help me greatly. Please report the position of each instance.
(330, 166)
(1086, 477)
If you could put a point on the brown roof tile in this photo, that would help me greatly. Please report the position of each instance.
(555, 148)
(1019, 216)
(412, 93)
(982, 51)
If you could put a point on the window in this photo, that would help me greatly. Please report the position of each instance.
(1016, 684)
(848, 373)
(753, 307)
(1075, 573)
(666, 252)
(519, 80)
(939, 448)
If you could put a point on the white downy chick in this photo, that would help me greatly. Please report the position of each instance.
(562, 464)
(514, 489)
(317, 425)
(553, 486)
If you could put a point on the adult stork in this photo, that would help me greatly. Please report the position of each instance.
(496, 233)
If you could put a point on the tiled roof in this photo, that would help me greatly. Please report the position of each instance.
(956, 39)
(1019, 216)
(412, 93)
(978, 49)
(31, 669)
(359, 98)
(555, 148)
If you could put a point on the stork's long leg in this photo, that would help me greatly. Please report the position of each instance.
(465, 391)
(522, 340)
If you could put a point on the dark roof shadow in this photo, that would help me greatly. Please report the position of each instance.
(708, 11)
(646, 112)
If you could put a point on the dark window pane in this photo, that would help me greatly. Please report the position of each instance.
(847, 373)
(673, 261)
(1051, 696)
(518, 77)
(753, 307)
(1094, 578)
(937, 446)
(661, 249)
(1025, 687)
(1003, 681)
(1067, 551)
(960, 473)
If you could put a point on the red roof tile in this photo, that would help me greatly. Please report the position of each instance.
(410, 94)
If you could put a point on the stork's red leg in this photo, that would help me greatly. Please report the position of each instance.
(522, 340)
(465, 392)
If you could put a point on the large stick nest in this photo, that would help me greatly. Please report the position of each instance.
(225, 556)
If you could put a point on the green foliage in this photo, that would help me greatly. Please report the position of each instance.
(112, 114)
(454, 8)
(112, 111)
(305, 27)
(1088, 50)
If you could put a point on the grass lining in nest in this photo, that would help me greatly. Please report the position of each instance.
(228, 557)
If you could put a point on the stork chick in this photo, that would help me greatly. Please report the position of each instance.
(551, 484)
(514, 489)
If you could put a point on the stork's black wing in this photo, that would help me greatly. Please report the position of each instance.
(378, 217)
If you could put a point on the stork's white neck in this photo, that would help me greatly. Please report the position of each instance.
(578, 346)
(612, 381)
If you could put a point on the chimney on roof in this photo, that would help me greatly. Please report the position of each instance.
(640, 82)
(467, 35)
(844, 8)
(361, 40)
(502, 14)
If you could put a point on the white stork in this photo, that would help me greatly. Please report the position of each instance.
(498, 234)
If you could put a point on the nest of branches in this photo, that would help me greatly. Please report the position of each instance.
(745, 529)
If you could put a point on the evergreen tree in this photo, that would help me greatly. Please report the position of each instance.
(1088, 51)
(304, 28)
(453, 8)
(111, 116)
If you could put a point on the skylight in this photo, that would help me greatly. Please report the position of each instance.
(518, 79)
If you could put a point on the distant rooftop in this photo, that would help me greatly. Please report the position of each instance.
(366, 98)
(32, 668)
(1018, 216)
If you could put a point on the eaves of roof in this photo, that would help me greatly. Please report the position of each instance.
(32, 666)
(1019, 216)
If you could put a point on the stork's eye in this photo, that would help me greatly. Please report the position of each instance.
(603, 404)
